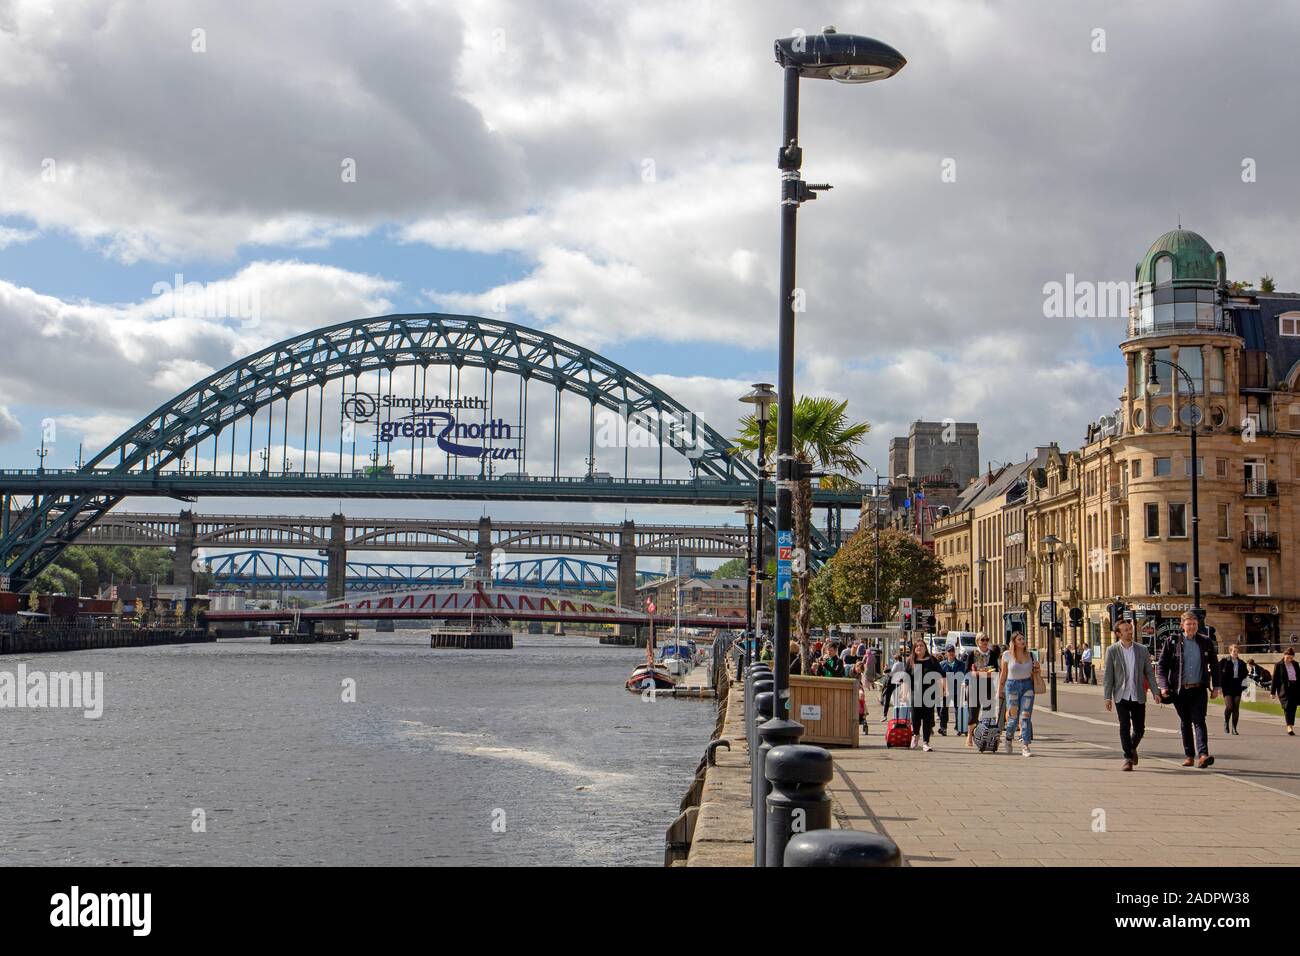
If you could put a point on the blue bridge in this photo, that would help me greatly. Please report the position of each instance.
(293, 572)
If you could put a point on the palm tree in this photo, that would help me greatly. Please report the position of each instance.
(825, 439)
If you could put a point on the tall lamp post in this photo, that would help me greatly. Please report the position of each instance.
(844, 58)
(983, 564)
(748, 512)
(1194, 415)
(1053, 543)
(762, 398)
(875, 529)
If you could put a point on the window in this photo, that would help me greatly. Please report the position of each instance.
(1256, 469)
(1225, 580)
(1289, 323)
(1153, 577)
(1224, 530)
(1257, 521)
(1177, 520)
(1191, 360)
(1162, 416)
(1163, 467)
(1220, 468)
(1200, 468)
(1177, 578)
(1216, 370)
(1257, 577)
(1153, 520)
(1137, 468)
(1164, 270)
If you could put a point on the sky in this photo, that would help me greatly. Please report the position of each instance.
(605, 171)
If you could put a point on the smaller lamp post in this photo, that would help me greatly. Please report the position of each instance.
(1052, 543)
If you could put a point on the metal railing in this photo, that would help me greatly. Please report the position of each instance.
(1260, 541)
(1260, 488)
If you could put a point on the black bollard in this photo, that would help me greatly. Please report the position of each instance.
(842, 848)
(757, 782)
(798, 801)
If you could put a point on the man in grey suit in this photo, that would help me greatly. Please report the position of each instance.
(1127, 663)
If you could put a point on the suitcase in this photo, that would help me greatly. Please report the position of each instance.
(987, 734)
(898, 729)
(898, 732)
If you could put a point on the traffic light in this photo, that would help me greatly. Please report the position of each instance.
(907, 620)
(1076, 617)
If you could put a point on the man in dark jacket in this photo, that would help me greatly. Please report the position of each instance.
(1186, 672)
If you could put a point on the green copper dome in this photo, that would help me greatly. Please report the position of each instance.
(1193, 261)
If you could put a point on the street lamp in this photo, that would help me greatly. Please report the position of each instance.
(847, 59)
(748, 512)
(983, 564)
(762, 398)
(875, 528)
(1053, 543)
(1193, 418)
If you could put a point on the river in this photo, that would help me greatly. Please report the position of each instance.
(447, 757)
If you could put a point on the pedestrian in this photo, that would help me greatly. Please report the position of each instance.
(1085, 664)
(832, 665)
(954, 673)
(1128, 676)
(796, 659)
(1284, 687)
(1232, 679)
(891, 681)
(766, 654)
(925, 678)
(980, 667)
(1016, 687)
(1067, 662)
(1186, 672)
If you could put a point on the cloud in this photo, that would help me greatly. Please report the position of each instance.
(10, 428)
(125, 359)
(121, 131)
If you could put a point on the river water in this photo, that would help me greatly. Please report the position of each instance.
(525, 757)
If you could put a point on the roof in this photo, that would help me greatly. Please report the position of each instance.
(1194, 261)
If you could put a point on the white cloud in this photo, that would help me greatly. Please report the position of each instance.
(10, 428)
(72, 357)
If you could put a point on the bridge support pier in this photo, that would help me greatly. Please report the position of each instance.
(626, 592)
(483, 559)
(183, 557)
(336, 570)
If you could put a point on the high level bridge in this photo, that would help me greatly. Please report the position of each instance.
(334, 537)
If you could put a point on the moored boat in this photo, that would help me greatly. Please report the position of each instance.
(646, 676)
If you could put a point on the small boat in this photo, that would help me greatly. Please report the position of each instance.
(646, 676)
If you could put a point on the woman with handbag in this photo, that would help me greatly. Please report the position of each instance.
(1017, 685)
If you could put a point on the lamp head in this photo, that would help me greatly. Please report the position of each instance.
(843, 57)
(762, 398)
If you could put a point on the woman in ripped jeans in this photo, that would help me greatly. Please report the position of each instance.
(1016, 686)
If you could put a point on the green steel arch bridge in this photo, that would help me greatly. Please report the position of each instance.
(398, 406)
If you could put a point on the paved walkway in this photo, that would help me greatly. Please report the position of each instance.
(1068, 805)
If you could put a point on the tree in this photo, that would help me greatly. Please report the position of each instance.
(1266, 284)
(735, 568)
(825, 439)
(848, 580)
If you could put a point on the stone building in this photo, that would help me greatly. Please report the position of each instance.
(947, 452)
(1120, 507)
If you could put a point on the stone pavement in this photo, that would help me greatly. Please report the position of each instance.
(1067, 805)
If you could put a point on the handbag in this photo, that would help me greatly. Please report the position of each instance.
(1040, 685)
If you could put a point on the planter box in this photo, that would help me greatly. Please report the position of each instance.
(828, 709)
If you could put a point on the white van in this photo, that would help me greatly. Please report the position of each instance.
(964, 641)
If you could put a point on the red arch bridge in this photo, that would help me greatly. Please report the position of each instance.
(470, 604)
